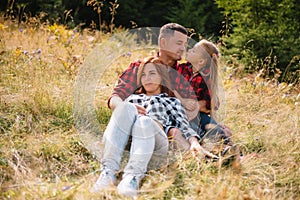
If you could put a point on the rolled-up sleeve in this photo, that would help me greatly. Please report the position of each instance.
(127, 82)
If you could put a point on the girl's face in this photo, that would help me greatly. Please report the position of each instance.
(194, 56)
(151, 80)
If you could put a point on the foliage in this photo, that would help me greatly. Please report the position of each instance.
(261, 31)
(201, 16)
(43, 157)
(256, 34)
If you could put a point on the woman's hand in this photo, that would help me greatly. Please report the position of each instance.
(197, 149)
(141, 110)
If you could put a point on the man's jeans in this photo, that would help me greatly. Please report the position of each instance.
(149, 146)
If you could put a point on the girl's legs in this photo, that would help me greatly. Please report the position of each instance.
(203, 124)
(205, 120)
(212, 129)
(200, 122)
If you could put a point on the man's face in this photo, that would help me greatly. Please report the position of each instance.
(175, 45)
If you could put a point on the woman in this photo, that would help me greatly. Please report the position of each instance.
(149, 146)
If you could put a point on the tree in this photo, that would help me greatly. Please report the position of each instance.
(202, 16)
(264, 34)
(147, 13)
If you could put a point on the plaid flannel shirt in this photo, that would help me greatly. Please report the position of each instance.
(166, 110)
(199, 83)
(127, 83)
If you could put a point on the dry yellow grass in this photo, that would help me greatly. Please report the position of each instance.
(42, 156)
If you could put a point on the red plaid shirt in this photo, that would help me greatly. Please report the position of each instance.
(127, 83)
(199, 83)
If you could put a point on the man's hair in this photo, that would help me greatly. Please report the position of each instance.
(168, 30)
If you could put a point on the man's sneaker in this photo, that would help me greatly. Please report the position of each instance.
(129, 186)
(106, 179)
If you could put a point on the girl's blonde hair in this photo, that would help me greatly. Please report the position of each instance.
(162, 70)
(210, 52)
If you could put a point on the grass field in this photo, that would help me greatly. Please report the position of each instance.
(43, 157)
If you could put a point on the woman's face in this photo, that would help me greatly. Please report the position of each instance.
(151, 80)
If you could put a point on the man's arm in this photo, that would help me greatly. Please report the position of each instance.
(127, 84)
(190, 105)
(183, 90)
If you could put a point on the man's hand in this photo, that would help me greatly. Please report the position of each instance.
(191, 107)
(202, 106)
(190, 104)
(192, 113)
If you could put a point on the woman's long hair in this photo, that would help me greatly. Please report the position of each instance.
(212, 55)
(162, 70)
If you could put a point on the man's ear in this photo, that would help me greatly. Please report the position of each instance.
(163, 43)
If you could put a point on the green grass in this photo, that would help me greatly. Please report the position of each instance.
(43, 157)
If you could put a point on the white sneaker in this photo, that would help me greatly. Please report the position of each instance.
(129, 185)
(106, 180)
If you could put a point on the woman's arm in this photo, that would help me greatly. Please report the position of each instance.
(179, 116)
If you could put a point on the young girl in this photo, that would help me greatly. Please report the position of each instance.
(202, 73)
(149, 146)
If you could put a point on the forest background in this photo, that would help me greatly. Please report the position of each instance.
(44, 45)
(255, 32)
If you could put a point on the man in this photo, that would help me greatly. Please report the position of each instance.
(172, 43)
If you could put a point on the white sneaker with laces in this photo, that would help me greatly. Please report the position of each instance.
(106, 180)
(129, 185)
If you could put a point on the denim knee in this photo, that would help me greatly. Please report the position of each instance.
(145, 126)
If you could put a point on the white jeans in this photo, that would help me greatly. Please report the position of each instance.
(149, 146)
